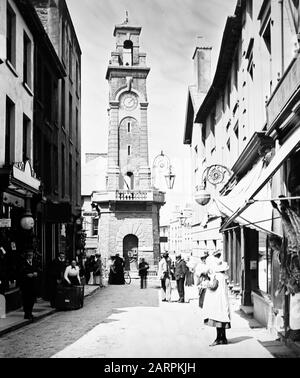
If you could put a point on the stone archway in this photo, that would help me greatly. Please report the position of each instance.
(130, 252)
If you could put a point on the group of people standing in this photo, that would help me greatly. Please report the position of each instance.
(209, 276)
(116, 270)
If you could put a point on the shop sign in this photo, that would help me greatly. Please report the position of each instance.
(284, 92)
(90, 214)
(5, 223)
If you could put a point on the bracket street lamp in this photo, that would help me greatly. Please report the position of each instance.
(215, 175)
(163, 161)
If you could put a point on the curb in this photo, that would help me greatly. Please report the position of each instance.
(24, 323)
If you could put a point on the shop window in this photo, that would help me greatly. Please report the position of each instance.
(27, 60)
(95, 226)
(264, 264)
(11, 36)
(9, 131)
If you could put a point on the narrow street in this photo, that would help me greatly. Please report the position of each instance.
(125, 322)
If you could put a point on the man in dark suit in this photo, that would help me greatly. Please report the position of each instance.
(28, 275)
(56, 274)
(180, 272)
(143, 272)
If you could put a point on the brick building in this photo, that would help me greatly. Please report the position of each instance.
(129, 220)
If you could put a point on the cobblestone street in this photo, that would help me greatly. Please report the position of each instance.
(123, 321)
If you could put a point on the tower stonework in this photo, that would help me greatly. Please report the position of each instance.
(129, 218)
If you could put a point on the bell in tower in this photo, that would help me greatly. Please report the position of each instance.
(129, 221)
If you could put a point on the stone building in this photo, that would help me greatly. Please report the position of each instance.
(245, 136)
(57, 135)
(129, 220)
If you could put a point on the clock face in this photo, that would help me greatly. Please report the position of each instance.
(129, 101)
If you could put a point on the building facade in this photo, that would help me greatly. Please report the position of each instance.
(39, 182)
(57, 136)
(248, 125)
(129, 220)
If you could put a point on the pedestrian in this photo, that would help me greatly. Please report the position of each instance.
(71, 276)
(143, 272)
(119, 269)
(112, 271)
(216, 310)
(164, 274)
(56, 276)
(180, 272)
(97, 270)
(189, 279)
(201, 276)
(213, 258)
(28, 280)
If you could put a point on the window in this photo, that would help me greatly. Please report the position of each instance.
(70, 116)
(26, 138)
(77, 77)
(48, 95)
(77, 128)
(26, 60)
(127, 53)
(129, 150)
(95, 226)
(63, 104)
(228, 144)
(77, 183)
(9, 131)
(63, 172)
(249, 8)
(235, 70)
(129, 127)
(63, 41)
(11, 36)
(236, 130)
(203, 137)
(55, 171)
(264, 264)
(70, 177)
(70, 61)
(228, 90)
(250, 67)
(47, 168)
(213, 123)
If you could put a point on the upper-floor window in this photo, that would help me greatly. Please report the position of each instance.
(63, 41)
(26, 138)
(70, 61)
(95, 226)
(129, 150)
(249, 56)
(129, 127)
(26, 60)
(48, 95)
(63, 104)
(11, 36)
(9, 131)
(127, 53)
(70, 116)
(249, 8)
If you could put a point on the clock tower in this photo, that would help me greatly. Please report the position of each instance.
(129, 208)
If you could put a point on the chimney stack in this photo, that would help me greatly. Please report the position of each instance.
(202, 68)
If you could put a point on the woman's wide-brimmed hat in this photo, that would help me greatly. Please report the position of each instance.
(221, 267)
(203, 254)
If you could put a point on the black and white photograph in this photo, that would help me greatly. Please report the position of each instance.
(149, 182)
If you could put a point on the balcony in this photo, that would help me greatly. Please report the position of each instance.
(129, 196)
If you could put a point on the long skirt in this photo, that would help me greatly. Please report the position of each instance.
(216, 324)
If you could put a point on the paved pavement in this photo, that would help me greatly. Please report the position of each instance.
(126, 322)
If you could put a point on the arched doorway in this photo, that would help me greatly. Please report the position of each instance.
(130, 252)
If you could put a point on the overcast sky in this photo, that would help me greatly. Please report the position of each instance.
(169, 36)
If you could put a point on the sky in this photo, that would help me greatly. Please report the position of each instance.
(170, 31)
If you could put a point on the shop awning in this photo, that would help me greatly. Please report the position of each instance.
(259, 214)
(258, 189)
